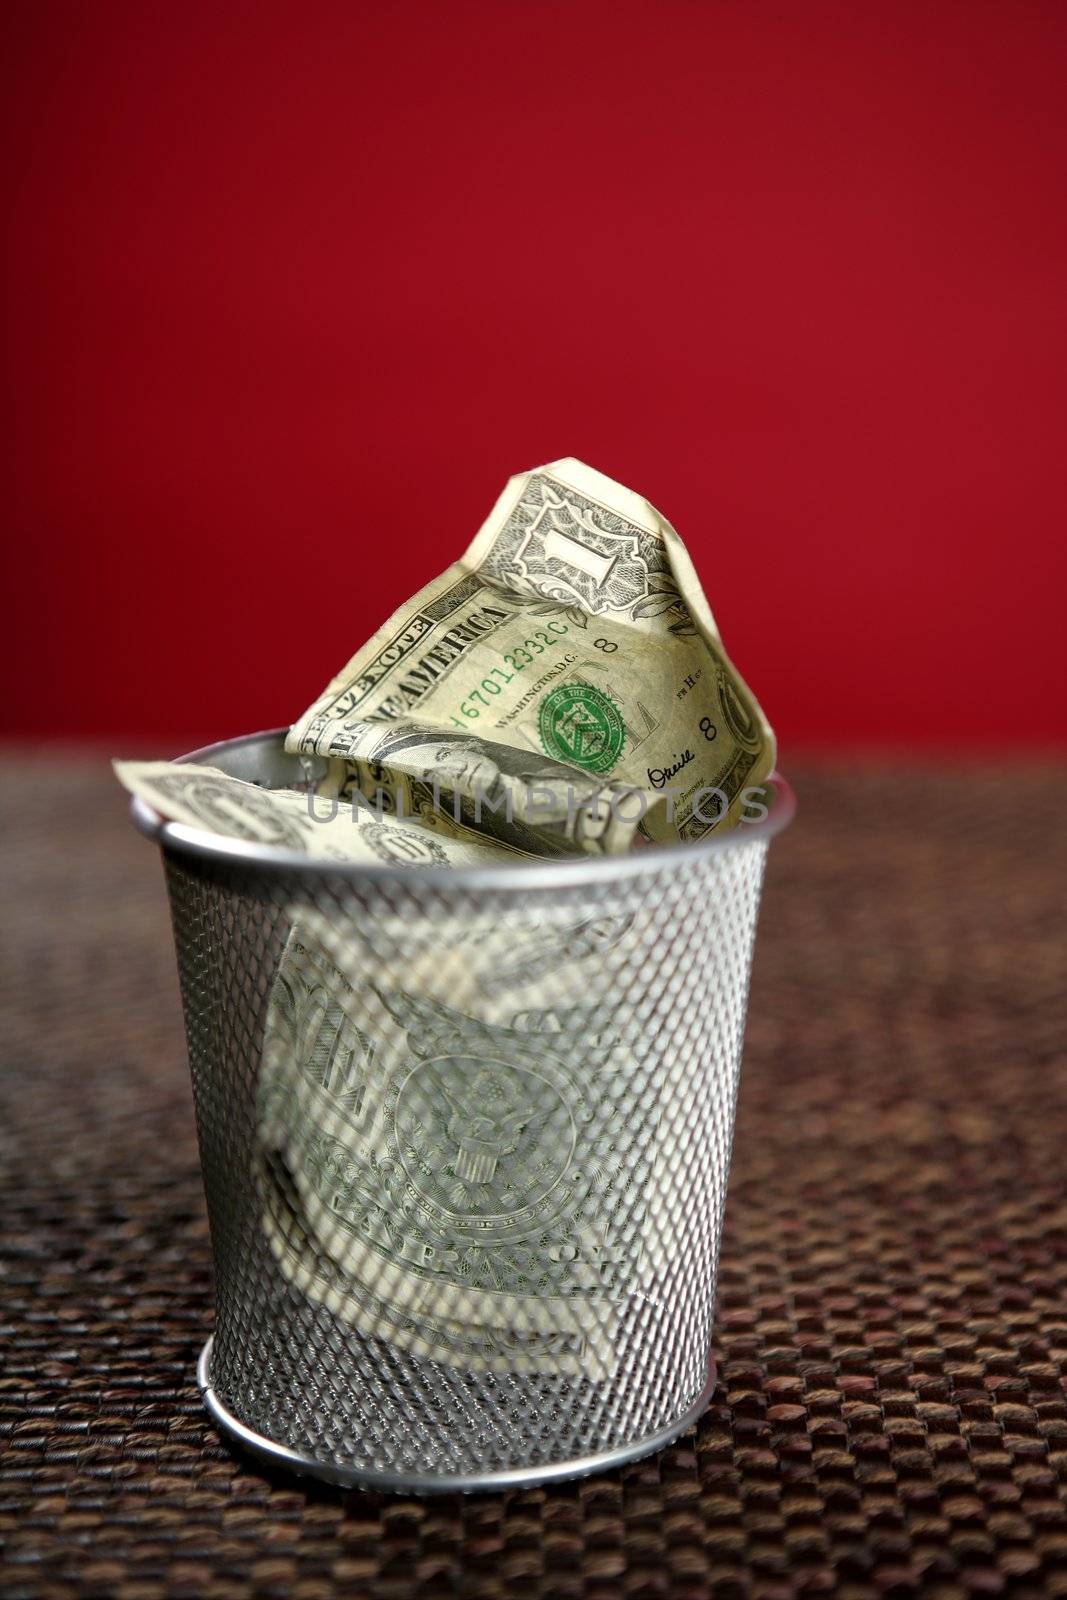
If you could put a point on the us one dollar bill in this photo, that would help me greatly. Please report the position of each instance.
(205, 798)
(469, 1146)
(570, 651)
(450, 1156)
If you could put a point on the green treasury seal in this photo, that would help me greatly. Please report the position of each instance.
(581, 725)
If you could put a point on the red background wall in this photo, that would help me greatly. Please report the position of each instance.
(293, 288)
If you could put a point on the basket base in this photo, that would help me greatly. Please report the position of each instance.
(280, 1455)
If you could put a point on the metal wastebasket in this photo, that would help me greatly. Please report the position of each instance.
(465, 1140)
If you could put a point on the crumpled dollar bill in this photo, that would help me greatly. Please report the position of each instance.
(445, 1156)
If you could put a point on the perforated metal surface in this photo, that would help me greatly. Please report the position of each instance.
(465, 1150)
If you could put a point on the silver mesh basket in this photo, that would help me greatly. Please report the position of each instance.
(465, 1139)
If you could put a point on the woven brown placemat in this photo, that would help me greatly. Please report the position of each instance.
(892, 1330)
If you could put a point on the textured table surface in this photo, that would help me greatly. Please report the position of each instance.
(891, 1416)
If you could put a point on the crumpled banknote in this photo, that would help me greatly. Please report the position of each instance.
(447, 1157)
(567, 670)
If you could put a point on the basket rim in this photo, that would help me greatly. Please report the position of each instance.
(348, 1476)
(181, 839)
